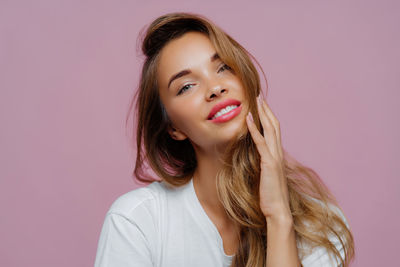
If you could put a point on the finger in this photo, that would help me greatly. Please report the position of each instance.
(258, 139)
(276, 126)
(269, 130)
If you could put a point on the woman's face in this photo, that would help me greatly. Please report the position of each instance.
(194, 95)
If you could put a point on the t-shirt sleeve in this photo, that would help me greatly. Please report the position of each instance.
(129, 234)
(122, 243)
(320, 257)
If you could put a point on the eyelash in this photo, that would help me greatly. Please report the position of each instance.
(224, 66)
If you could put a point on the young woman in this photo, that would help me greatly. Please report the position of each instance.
(229, 194)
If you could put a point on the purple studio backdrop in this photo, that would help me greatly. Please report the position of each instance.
(69, 68)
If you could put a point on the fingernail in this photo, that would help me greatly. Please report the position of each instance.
(250, 117)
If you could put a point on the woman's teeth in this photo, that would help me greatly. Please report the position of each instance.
(224, 111)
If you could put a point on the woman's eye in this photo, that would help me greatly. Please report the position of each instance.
(184, 88)
(224, 67)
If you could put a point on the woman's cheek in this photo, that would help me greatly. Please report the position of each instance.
(189, 119)
(181, 117)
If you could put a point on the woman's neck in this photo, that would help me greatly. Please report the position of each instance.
(204, 182)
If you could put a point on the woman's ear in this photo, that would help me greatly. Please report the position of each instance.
(176, 134)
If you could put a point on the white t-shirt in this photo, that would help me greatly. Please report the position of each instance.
(160, 226)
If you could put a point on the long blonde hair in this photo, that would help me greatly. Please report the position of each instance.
(175, 161)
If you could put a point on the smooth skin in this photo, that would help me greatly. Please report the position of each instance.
(188, 101)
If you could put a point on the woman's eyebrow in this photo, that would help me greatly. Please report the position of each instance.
(187, 71)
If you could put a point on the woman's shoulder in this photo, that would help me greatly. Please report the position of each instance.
(319, 256)
(140, 199)
(130, 232)
(335, 208)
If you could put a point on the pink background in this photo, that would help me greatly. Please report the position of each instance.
(69, 68)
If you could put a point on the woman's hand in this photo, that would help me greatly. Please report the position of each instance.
(274, 196)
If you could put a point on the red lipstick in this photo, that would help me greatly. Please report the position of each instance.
(227, 116)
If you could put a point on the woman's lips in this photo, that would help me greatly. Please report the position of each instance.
(221, 105)
(228, 116)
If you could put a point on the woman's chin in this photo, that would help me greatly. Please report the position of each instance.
(231, 134)
(221, 137)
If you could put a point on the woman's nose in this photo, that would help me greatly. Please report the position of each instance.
(215, 91)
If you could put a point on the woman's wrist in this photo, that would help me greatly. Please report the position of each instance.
(282, 217)
(283, 221)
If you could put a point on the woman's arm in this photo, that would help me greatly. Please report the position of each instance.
(274, 196)
(281, 243)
